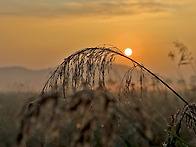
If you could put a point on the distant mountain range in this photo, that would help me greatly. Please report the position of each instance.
(23, 79)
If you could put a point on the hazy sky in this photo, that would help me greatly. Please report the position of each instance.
(41, 33)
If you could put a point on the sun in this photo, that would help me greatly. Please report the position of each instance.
(128, 51)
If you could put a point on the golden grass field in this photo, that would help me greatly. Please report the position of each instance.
(81, 105)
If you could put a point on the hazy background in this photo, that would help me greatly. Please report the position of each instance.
(40, 34)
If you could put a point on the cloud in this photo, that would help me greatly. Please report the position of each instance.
(49, 8)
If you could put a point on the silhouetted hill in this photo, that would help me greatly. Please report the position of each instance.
(23, 79)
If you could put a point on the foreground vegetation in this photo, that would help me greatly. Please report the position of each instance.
(79, 107)
(136, 122)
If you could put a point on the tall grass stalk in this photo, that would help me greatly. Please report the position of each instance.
(91, 54)
(75, 79)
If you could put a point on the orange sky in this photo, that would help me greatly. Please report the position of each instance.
(40, 34)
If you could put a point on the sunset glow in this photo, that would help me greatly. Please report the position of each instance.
(95, 73)
(40, 34)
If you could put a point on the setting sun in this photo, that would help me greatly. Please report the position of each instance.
(128, 52)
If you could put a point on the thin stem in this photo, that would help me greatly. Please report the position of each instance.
(179, 96)
(117, 52)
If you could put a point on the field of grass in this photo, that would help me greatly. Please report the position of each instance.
(76, 108)
(134, 121)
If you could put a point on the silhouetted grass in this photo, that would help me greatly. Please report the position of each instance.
(76, 107)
